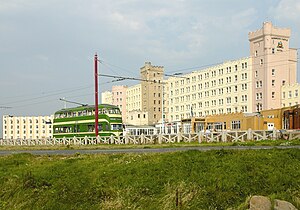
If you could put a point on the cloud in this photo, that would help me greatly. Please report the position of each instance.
(125, 22)
(244, 18)
(287, 10)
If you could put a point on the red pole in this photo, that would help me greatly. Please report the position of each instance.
(96, 94)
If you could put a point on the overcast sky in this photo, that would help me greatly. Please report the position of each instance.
(47, 46)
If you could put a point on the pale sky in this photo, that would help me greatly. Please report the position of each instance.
(47, 46)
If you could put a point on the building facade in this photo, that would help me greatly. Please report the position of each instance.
(225, 88)
(245, 85)
(27, 127)
(274, 64)
(152, 91)
(290, 95)
(134, 114)
(144, 101)
(116, 97)
(106, 97)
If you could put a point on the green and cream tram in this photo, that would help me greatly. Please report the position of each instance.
(80, 121)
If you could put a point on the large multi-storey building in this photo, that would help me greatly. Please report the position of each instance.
(144, 101)
(290, 95)
(106, 97)
(225, 88)
(274, 64)
(152, 91)
(116, 97)
(27, 127)
(244, 85)
(135, 115)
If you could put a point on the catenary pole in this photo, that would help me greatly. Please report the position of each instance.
(96, 94)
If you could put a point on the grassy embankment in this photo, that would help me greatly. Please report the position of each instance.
(180, 180)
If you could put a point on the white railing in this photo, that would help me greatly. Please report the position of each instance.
(223, 136)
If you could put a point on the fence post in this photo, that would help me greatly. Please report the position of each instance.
(112, 140)
(264, 135)
(224, 136)
(74, 140)
(274, 134)
(159, 139)
(179, 137)
(249, 134)
(142, 138)
(199, 138)
(290, 135)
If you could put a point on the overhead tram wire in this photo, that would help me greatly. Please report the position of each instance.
(108, 65)
(5, 107)
(129, 78)
(46, 96)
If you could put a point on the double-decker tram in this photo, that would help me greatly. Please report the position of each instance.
(80, 121)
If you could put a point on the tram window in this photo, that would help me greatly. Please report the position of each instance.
(91, 128)
(100, 128)
(116, 126)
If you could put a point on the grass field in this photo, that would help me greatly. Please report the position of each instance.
(179, 180)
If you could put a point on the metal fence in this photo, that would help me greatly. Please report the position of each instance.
(222, 136)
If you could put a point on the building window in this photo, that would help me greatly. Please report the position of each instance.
(236, 124)
(283, 94)
(256, 74)
(255, 53)
(296, 93)
(273, 82)
(273, 50)
(283, 82)
(273, 72)
(273, 94)
(261, 61)
(228, 100)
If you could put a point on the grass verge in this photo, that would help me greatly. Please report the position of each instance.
(179, 180)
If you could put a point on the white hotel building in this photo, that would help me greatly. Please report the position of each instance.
(225, 88)
(27, 127)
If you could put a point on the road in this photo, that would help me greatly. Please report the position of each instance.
(138, 150)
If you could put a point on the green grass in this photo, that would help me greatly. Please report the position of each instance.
(180, 180)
